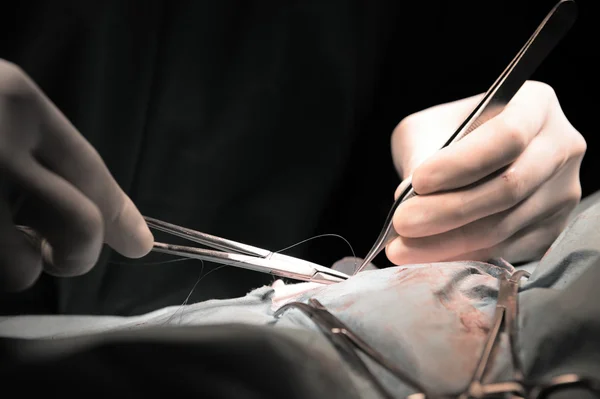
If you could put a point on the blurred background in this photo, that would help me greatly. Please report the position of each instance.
(458, 51)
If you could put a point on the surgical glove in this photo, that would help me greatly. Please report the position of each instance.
(505, 190)
(53, 177)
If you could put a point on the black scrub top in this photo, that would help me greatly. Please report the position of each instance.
(265, 122)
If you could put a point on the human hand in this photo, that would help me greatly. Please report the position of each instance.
(505, 190)
(64, 189)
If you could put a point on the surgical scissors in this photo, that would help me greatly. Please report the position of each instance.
(552, 29)
(242, 255)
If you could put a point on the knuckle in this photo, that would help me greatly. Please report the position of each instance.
(398, 134)
(14, 83)
(542, 89)
(574, 149)
(515, 133)
(409, 124)
(579, 144)
(513, 186)
(10, 70)
(549, 93)
(405, 124)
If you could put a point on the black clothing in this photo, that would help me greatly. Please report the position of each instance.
(260, 121)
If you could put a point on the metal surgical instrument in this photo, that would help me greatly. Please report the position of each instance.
(242, 255)
(505, 323)
(540, 44)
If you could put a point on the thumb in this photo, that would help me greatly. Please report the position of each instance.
(420, 135)
(128, 233)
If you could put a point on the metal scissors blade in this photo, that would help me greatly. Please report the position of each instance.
(241, 255)
(540, 44)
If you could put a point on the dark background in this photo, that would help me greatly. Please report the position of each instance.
(461, 51)
(295, 100)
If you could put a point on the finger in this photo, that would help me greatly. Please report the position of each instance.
(533, 241)
(71, 224)
(437, 213)
(483, 233)
(66, 152)
(529, 243)
(402, 187)
(20, 262)
(481, 255)
(495, 144)
(409, 149)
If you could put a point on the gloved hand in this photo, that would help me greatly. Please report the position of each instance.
(59, 182)
(505, 190)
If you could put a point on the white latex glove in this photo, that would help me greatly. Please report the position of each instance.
(67, 194)
(513, 181)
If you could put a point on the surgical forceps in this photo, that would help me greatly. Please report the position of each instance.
(540, 44)
(242, 255)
